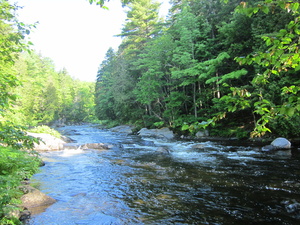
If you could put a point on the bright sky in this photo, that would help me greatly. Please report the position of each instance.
(73, 33)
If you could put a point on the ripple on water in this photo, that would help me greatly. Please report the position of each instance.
(197, 183)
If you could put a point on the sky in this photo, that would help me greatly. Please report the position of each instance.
(73, 33)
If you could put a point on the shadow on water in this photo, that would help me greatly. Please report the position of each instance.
(196, 183)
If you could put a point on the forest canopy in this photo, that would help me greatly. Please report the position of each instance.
(228, 66)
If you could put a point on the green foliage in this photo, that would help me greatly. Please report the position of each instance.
(15, 136)
(101, 3)
(47, 95)
(45, 130)
(208, 65)
(30, 93)
(280, 59)
(15, 166)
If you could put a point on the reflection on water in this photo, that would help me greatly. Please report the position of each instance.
(197, 183)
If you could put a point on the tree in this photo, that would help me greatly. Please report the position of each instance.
(274, 91)
(280, 59)
(101, 3)
(141, 25)
(119, 74)
(103, 90)
(190, 39)
(154, 84)
(12, 33)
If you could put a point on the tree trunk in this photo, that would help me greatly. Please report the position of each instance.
(194, 100)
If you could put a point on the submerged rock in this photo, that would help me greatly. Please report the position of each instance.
(163, 150)
(157, 133)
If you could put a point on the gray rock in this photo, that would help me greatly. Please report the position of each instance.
(24, 215)
(96, 146)
(157, 133)
(281, 143)
(67, 139)
(198, 146)
(268, 148)
(47, 143)
(72, 146)
(201, 134)
(277, 144)
(163, 150)
(35, 198)
(123, 129)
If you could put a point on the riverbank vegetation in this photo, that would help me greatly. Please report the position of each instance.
(32, 93)
(229, 66)
(15, 166)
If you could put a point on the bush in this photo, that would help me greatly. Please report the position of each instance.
(15, 166)
(45, 130)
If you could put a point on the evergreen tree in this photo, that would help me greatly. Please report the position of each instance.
(192, 45)
(155, 83)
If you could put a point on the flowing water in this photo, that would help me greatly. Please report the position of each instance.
(197, 183)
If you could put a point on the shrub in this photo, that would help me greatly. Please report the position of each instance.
(45, 130)
(15, 166)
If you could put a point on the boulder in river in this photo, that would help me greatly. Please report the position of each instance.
(48, 142)
(95, 146)
(278, 144)
(125, 129)
(157, 133)
(281, 143)
(201, 134)
(35, 198)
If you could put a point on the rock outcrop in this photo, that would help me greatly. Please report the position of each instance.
(47, 142)
(157, 133)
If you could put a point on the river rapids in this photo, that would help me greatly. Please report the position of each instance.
(196, 183)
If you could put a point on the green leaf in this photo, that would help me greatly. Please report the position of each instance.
(290, 111)
(265, 9)
(294, 6)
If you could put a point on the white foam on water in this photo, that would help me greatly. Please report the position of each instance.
(71, 152)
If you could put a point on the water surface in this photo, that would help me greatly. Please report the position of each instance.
(197, 183)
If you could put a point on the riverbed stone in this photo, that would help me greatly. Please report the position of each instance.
(163, 150)
(268, 148)
(281, 143)
(201, 134)
(47, 143)
(72, 146)
(157, 133)
(96, 146)
(35, 198)
(278, 144)
(125, 129)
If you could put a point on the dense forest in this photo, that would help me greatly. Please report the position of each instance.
(227, 66)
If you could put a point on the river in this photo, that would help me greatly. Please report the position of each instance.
(197, 183)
